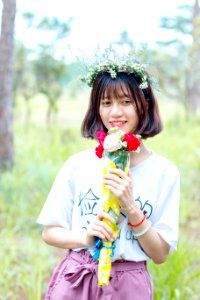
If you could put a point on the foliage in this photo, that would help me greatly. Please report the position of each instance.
(49, 77)
(53, 24)
(178, 278)
(40, 70)
(24, 79)
(186, 25)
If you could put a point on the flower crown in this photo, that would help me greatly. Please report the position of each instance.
(113, 68)
(116, 140)
(113, 63)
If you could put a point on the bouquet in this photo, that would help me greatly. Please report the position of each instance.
(115, 147)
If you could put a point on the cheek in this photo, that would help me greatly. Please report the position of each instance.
(102, 113)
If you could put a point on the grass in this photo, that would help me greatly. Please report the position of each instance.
(27, 263)
(178, 278)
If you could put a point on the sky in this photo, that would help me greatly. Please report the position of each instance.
(99, 23)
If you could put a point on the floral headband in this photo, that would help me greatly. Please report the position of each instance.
(113, 68)
(111, 62)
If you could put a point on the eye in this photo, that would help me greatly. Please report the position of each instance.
(127, 101)
(106, 102)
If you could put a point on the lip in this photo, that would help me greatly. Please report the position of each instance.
(117, 123)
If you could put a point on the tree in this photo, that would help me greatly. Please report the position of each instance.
(186, 73)
(125, 40)
(6, 72)
(194, 71)
(24, 82)
(49, 74)
(46, 62)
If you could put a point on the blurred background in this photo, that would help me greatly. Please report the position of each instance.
(42, 103)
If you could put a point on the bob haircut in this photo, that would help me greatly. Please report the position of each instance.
(144, 100)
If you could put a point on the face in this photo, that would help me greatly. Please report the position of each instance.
(119, 111)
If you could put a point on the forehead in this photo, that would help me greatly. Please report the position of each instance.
(116, 89)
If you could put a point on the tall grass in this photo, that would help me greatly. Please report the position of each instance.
(27, 263)
(178, 278)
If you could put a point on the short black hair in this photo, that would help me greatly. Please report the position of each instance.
(144, 100)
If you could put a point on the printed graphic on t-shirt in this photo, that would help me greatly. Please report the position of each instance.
(89, 205)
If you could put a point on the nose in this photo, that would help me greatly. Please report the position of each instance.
(116, 110)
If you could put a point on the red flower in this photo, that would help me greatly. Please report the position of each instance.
(99, 150)
(101, 136)
(133, 142)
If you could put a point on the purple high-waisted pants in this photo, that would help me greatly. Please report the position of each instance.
(76, 278)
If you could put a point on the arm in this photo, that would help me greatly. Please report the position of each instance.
(151, 242)
(62, 238)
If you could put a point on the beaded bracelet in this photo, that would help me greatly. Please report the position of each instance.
(138, 224)
(136, 235)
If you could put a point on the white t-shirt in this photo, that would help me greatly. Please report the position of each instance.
(76, 197)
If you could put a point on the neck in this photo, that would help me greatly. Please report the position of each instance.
(136, 158)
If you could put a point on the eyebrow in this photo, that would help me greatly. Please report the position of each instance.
(118, 96)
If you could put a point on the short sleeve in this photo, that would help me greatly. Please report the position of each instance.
(166, 221)
(57, 209)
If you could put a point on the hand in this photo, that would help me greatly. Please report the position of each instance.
(121, 185)
(98, 228)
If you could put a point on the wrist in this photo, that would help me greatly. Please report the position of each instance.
(136, 217)
(138, 223)
(88, 241)
(82, 239)
(130, 209)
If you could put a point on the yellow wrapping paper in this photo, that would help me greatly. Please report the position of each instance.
(115, 146)
(119, 159)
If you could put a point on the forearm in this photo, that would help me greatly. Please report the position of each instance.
(151, 242)
(154, 246)
(62, 238)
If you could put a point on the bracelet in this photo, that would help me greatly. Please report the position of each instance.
(138, 224)
(136, 235)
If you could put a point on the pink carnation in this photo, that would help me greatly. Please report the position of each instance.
(101, 136)
(99, 150)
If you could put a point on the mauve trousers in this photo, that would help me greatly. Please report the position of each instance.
(75, 277)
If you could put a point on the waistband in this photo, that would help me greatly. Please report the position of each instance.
(87, 266)
(84, 257)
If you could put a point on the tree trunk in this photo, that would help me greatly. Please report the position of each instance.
(194, 73)
(6, 72)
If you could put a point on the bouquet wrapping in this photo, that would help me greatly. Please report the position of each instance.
(115, 147)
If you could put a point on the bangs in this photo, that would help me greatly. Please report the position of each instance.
(114, 87)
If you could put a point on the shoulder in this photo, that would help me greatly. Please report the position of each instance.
(85, 157)
(164, 166)
(164, 162)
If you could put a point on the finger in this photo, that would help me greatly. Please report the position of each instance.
(103, 215)
(117, 172)
(101, 224)
(118, 193)
(101, 232)
(113, 177)
(116, 185)
(104, 226)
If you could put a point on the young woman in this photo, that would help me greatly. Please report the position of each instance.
(121, 96)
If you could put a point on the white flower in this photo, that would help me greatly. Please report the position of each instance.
(112, 142)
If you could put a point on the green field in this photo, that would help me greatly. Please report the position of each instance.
(26, 262)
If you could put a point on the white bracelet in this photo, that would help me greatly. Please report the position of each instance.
(136, 235)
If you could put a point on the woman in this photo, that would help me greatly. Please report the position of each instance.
(122, 97)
